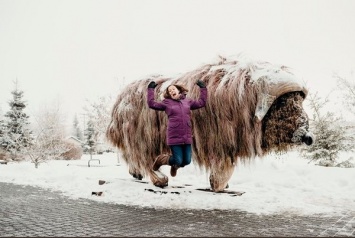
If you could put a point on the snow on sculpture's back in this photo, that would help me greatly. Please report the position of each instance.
(253, 108)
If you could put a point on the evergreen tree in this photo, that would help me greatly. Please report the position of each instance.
(90, 136)
(329, 131)
(76, 129)
(2, 134)
(18, 135)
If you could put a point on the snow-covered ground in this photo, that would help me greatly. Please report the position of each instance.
(274, 184)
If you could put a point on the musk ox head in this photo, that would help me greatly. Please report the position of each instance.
(286, 123)
(279, 108)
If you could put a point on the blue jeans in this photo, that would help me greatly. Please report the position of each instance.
(181, 155)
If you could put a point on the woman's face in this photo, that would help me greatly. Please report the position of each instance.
(173, 92)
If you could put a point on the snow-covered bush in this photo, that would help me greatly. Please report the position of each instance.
(347, 87)
(349, 163)
(99, 113)
(49, 128)
(74, 151)
(330, 133)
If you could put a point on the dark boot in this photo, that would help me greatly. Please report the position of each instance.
(161, 160)
(173, 170)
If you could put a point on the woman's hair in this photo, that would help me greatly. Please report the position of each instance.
(182, 89)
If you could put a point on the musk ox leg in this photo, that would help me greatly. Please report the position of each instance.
(158, 179)
(219, 178)
(160, 160)
(156, 176)
(135, 173)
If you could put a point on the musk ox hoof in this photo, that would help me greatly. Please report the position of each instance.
(217, 186)
(137, 176)
(135, 173)
(159, 179)
(161, 184)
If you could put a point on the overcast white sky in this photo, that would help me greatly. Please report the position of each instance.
(78, 49)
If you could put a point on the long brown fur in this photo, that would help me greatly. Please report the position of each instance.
(225, 131)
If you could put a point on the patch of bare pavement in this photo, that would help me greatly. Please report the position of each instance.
(36, 212)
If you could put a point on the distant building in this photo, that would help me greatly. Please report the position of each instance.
(75, 148)
(75, 141)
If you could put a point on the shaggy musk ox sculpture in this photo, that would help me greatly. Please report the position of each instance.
(253, 108)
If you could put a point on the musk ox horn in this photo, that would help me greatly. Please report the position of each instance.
(273, 82)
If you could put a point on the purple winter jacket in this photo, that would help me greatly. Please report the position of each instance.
(178, 111)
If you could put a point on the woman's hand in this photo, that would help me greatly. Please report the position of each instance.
(201, 84)
(152, 84)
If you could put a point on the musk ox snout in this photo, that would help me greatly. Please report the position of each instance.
(308, 138)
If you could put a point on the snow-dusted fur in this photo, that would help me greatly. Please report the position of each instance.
(252, 108)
